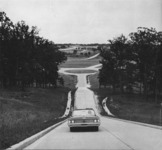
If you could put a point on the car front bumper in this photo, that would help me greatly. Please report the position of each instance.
(83, 124)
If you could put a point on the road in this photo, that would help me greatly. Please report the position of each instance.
(113, 134)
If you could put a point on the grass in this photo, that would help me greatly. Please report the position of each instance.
(94, 81)
(128, 106)
(69, 81)
(26, 113)
(133, 107)
(80, 63)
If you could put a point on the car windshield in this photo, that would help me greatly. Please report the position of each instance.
(83, 113)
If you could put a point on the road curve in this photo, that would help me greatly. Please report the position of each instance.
(112, 135)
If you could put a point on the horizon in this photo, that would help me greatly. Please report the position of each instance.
(85, 21)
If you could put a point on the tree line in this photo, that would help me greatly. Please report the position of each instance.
(133, 62)
(26, 59)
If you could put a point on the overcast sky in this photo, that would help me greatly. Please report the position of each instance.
(85, 21)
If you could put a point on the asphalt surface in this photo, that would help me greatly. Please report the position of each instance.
(112, 135)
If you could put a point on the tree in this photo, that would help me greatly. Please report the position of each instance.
(135, 61)
(108, 74)
(6, 27)
(116, 63)
(146, 44)
(25, 57)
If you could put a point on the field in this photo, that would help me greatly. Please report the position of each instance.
(80, 63)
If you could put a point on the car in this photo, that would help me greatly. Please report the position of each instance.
(84, 118)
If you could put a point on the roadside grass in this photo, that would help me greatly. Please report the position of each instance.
(79, 63)
(133, 107)
(127, 106)
(94, 81)
(26, 113)
(69, 80)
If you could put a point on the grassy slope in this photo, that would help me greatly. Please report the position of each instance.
(26, 113)
(128, 106)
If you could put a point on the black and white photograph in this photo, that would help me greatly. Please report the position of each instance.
(80, 74)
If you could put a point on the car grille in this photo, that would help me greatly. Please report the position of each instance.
(83, 120)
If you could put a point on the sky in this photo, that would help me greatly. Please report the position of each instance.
(85, 21)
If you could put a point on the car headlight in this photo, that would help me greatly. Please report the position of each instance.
(71, 121)
(96, 120)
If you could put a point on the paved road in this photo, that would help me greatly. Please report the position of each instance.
(112, 135)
